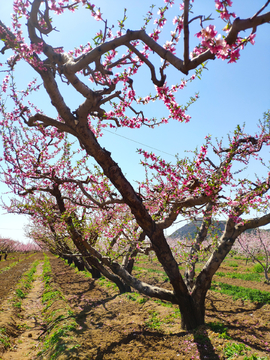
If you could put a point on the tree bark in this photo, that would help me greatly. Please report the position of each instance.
(192, 312)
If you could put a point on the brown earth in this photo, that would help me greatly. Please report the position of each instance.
(27, 344)
(12, 258)
(130, 326)
(9, 320)
(115, 327)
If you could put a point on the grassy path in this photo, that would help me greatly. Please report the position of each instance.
(29, 322)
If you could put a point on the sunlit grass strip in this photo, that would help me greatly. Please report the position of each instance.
(22, 289)
(155, 271)
(136, 297)
(239, 292)
(235, 350)
(60, 328)
(15, 263)
(247, 277)
(4, 338)
(149, 270)
(9, 266)
(24, 285)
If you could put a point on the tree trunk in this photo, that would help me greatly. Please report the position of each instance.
(129, 266)
(192, 312)
(79, 242)
(93, 271)
(266, 275)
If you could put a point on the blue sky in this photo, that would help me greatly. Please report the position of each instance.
(230, 94)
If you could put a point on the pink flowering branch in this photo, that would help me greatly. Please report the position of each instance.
(116, 210)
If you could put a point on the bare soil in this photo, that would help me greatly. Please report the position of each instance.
(29, 323)
(10, 317)
(114, 327)
(129, 326)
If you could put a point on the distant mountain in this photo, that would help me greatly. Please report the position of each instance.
(190, 230)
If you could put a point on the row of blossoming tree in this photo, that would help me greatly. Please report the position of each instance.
(8, 245)
(93, 210)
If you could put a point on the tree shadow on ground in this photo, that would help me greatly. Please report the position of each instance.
(88, 308)
(243, 321)
(147, 340)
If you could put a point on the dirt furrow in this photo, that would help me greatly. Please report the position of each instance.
(29, 323)
(9, 278)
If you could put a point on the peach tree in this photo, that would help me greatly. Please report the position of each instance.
(104, 73)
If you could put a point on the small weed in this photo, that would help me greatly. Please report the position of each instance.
(87, 273)
(237, 257)
(136, 297)
(4, 339)
(255, 357)
(50, 295)
(132, 297)
(200, 338)
(18, 304)
(75, 347)
(142, 300)
(220, 274)
(219, 328)
(172, 317)
(234, 349)
(163, 303)
(257, 268)
(105, 282)
(153, 322)
(23, 327)
(20, 293)
(233, 264)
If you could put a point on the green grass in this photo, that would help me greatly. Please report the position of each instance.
(20, 294)
(24, 285)
(107, 283)
(172, 317)
(137, 268)
(233, 264)
(239, 292)
(86, 273)
(153, 321)
(233, 349)
(10, 266)
(163, 303)
(221, 274)
(4, 338)
(255, 357)
(258, 268)
(17, 305)
(248, 277)
(61, 328)
(219, 328)
(136, 297)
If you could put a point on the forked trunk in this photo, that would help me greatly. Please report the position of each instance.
(192, 313)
